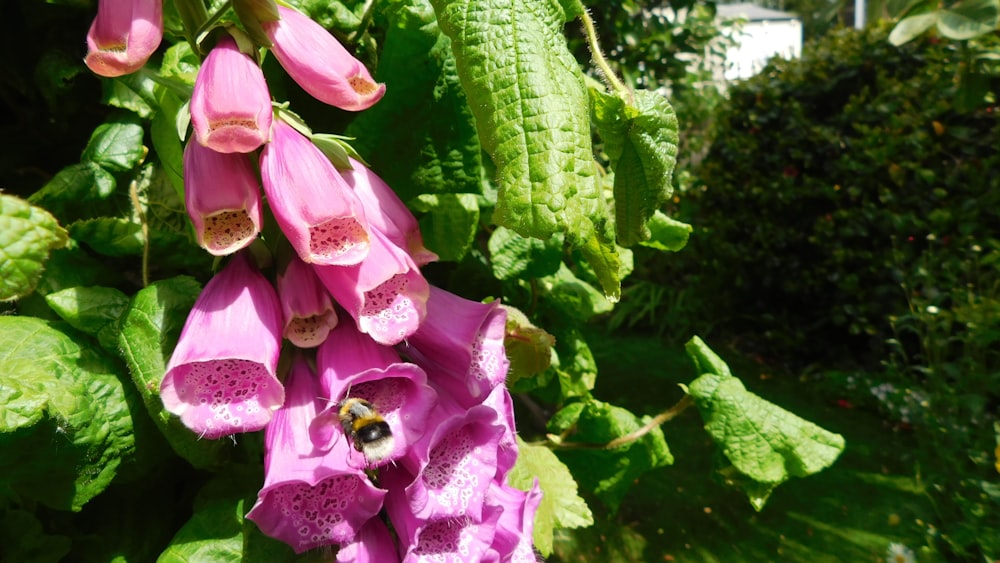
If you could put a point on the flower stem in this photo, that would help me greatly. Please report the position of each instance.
(620, 441)
(598, 56)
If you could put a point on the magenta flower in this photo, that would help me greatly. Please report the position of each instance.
(513, 538)
(222, 196)
(308, 309)
(124, 35)
(386, 294)
(500, 402)
(461, 340)
(373, 544)
(387, 213)
(221, 377)
(351, 364)
(230, 106)
(317, 211)
(318, 63)
(452, 466)
(309, 500)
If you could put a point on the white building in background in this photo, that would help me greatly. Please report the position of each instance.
(764, 33)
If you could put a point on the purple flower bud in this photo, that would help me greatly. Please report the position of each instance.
(230, 106)
(315, 208)
(124, 35)
(373, 544)
(318, 63)
(308, 309)
(386, 294)
(221, 377)
(222, 196)
(513, 538)
(387, 213)
(352, 364)
(309, 500)
(461, 340)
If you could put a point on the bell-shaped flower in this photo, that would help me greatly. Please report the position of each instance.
(351, 364)
(124, 35)
(222, 196)
(309, 499)
(373, 544)
(221, 377)
(308, 309)
(500, 402)
(455, 540)
(387, 213)
(453, 465)
(230, 105)
(318, 63)
(386, 294)
(462, 340)
(316, 210)
(513, 538)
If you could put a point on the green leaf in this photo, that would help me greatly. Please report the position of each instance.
(911, 27)
(117, 145)
(215, 530)
(74, 267)
(66, 425)
(109, 235)
(91, 310)
(27, 235)
(641, 140)
(166, 141)
(149, 331)
(515, 257)
(70, 195)
(528, 347)
(608, 472)
(23, 539)
(606, 264)
(574, 364)
(527, 94)
(969, 19)
(573, 297)
(449, 223)
(705, 360)
(765, 444)
(561, 506)
(421, 137)
(134, 92)
(667, 234)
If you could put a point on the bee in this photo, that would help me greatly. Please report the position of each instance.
(366, 429)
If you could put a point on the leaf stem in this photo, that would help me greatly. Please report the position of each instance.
(133, 192)
(620, 441)
(598, 56)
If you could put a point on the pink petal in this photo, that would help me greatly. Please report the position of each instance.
(308, 308)
(124, 35)
(222, 196)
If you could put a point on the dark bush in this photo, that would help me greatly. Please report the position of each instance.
(828, 179)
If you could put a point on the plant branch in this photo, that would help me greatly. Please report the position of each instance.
(620, 441)
(598, 56)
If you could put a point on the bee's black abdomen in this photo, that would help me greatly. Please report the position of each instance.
(373, 431)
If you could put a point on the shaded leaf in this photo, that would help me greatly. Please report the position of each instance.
(666, 233)
(449, 223)
(513, 256)
(969, 19)
(91, 310)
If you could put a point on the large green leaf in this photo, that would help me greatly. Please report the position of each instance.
(149, 330)
(561, 506)
(532, 113)
(27, 235)
(969, 19)
(116, 145)
(65, 425)
(911, 27)
(765, 444)
(640, 138)
(74, 192)
(91, 310)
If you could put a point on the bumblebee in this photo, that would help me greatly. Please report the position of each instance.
(366, 429)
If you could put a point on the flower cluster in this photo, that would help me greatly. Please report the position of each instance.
(393, 412)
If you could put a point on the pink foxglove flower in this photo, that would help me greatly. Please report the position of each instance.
(317, 211)
(124, 35)
(500, 402)
(387, 213)
(513, 538)
(351, 364)
(308, 309)
(386, 294)
(318, 63)
(231, 105)
(222, 196)
(452, 466)
(221, 377)
(373, 544)
(309, 500)
(461, 340)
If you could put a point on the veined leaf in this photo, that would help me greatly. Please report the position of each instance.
(117, 145)
(91, 310)
(531, 107)
(27, 235)
(515, 257)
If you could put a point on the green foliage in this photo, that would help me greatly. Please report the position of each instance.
(28, 235)
(824, 183)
